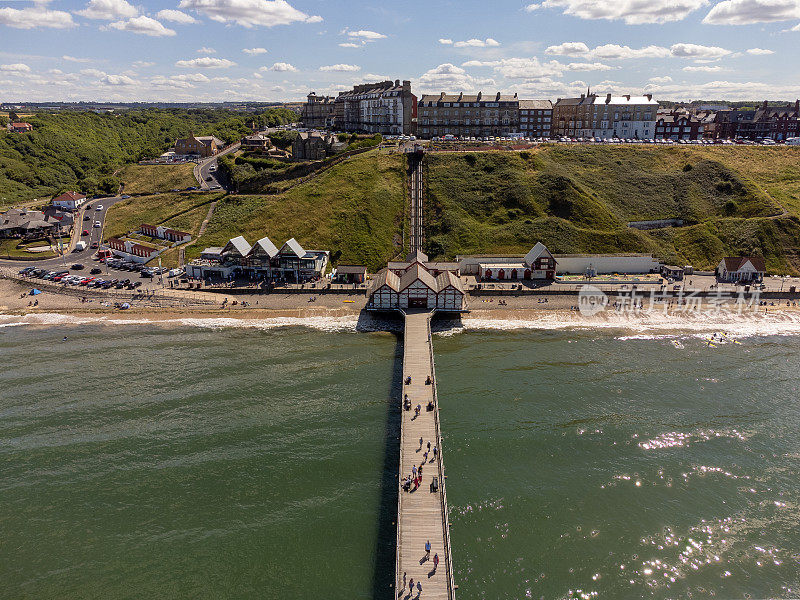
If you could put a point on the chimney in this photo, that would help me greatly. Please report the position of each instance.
(583, 96)
(515, 94)
(627, 97)
(608, 98)
(765, 104)
(460, 96)
(648, 96)
(497, 97)
(396, 83)
(797, 106)
(479, 96)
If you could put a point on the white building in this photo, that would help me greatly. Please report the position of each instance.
(416, 288)
(601, 264)
(69, 200)
(592, 116)
(741, 268)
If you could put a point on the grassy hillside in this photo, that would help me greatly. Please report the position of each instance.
(150, 179)
(579, 199)
(355, 210)
(82, 150)
(180, 211)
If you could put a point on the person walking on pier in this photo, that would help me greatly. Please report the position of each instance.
(414, 471)
(428, 549)
(404, 582)
(411, 587)
(434, 454)
(419, 590)
(420, 444)
(435, 563)
(429, 446)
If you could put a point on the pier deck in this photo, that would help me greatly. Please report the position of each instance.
(422, 514)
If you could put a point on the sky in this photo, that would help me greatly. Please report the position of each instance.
(280, 50)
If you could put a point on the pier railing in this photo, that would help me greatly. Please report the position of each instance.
(443, 496)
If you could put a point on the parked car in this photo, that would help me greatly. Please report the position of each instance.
(99, 207)
(125, 196)
(95, 271)
(94, 245)
(98, 224)
(77, 267)
(85, 232)
(87, 218)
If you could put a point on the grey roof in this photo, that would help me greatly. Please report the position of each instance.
(264, 246)
(535, 105)
(295, 248)
(418, 256)
(417, 271)
(345, 269)
(212, 250)
(238, 245)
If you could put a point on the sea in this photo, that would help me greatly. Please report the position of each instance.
(224, 458)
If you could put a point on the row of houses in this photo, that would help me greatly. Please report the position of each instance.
(390, 108)
(263, 260)
(386, 107)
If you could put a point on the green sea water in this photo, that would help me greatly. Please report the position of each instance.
(192, 462)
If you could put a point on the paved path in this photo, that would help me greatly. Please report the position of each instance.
(422, 515)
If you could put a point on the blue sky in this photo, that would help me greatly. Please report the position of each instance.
(269, 50)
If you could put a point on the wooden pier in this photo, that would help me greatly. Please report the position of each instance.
(421, 512)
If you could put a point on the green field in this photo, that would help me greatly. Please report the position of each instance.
(184, 211)
(740, 200)
(151, 179)
(356, 210)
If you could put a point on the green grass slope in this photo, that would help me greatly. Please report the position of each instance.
(580, 199)
(356, 210)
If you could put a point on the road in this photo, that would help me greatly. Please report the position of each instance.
(202, 170)
(95, 235)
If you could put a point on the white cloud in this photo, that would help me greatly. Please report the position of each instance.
(254, 51)
(69, 58)
(250, 13)
(176, 16)
(568, 49)
(15, 68)
(206, 62)
(450, 77)
(596, 66)
(760, 51)
(445, 41)
(281, 67)
(698, 51)
(351, 45)
(476, 43)
(364, 34)
(665, 79)
(617, 52)
(704, 69)
(205, 50)
(35, 17)
(142, 63)
(108, 10)
(341, 68)
(745, 12)
(795, 28)
(117, 80)
(521, 68)
(143, 26)
(532, 7)
(633, 12)
(730, 90)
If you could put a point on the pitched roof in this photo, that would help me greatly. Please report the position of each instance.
(264, 246)
(418, 256)
(448, 278)
(294, 246)
(538, 250)
(417, 271)
(346, 269)
(237, 244)
(66, 196)
(734, 263)
(385, 277)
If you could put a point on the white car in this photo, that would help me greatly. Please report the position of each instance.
(98, 224)
(99, 207)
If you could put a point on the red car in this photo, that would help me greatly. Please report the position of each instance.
(94, 245)
(85, 232)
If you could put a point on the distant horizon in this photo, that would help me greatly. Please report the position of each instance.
(270, 50)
